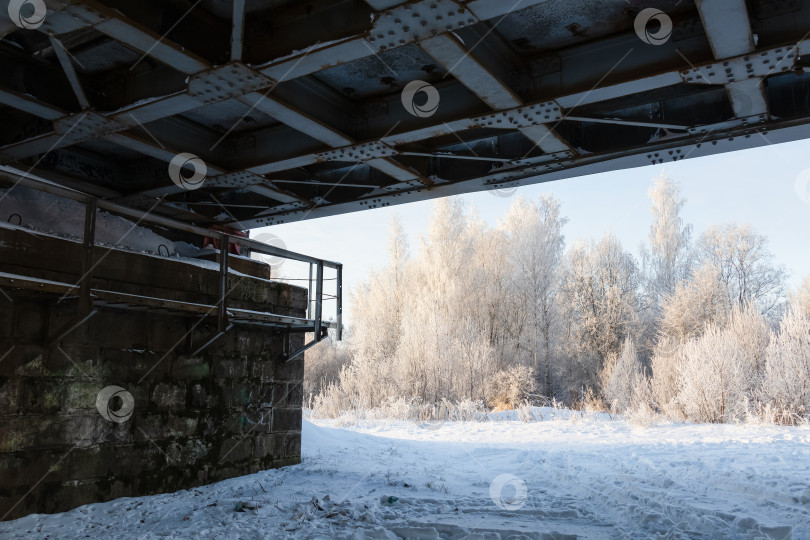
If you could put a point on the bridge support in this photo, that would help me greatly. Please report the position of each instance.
(126, 374)
(132, 401)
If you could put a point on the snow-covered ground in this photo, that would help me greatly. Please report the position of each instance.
(566, 473)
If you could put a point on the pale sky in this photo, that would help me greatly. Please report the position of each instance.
(760, 186)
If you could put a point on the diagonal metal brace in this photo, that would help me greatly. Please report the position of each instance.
(212, 340)
(318, 338)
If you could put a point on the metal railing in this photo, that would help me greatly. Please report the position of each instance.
(314, 321)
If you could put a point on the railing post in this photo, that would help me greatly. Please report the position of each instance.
(309, 294)
(339, 301)
(88, 241)
(318, 301)
(223, 281)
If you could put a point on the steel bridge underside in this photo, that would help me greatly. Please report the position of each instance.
(295, 107)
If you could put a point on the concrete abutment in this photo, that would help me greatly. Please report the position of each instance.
(232, 409)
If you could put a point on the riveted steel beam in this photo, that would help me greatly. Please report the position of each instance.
(586, 93)
(320, 131)
(729, 31)
(216, 175)
(238, 29)
(542, 112)
(112, 23)
(30, 105)
(296, 119)
(529, 119)
(70, 72)
(727, 140)
(203, 87)
(727, 26)
(747, 66)
(459, 61)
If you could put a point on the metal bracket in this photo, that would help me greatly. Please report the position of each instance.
(289, 357)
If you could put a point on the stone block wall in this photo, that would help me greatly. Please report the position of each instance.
(234, 409)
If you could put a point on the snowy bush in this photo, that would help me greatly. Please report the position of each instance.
(709, 385)
(666, 364)
(720, 370)
(509, 388)
(642, 414)
(621, 377)
(323, 364)
(785, 388)
(590, 402)
(752, 333)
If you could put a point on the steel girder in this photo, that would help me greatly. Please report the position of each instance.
(299, 144)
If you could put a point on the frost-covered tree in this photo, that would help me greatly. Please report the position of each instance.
(744, 265)
(377, 320)
(475, 313)
(694, 304)
(801, 298)
(698, 304)
(668, 258)
(600, 288)
(324, 362)
(536, 243)
(495, 313)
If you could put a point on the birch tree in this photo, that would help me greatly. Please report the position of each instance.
(668, 259)
(744, 265)
(600, 286)
(536, 245)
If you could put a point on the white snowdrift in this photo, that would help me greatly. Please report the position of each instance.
(585, 475)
